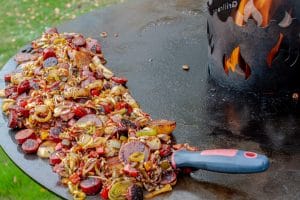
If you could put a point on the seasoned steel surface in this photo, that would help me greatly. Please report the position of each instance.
(155, 39)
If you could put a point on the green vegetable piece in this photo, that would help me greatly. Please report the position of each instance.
(137, 157)
(118, 190)
(146, 132)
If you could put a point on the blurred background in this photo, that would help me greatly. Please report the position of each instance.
(20, 22)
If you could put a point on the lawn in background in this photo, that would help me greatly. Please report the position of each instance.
(20, 22)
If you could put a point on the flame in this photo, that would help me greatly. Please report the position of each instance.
(274, 50)
(259, 10)
(235, 60)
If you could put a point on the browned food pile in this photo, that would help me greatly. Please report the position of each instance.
(75, 112)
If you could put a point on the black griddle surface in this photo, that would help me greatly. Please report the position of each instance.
(155, 39)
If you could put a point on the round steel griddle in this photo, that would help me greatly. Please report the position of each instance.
(155, 39)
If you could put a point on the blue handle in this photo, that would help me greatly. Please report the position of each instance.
(221, 160)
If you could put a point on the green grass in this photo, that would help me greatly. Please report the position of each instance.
(20, 22)
(23, 20)
(14, 185)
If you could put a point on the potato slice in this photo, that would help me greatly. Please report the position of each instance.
(46, 149)
(163, 126)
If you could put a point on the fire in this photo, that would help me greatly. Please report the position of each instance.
(235, 60)
(259, 10)
(274, 50)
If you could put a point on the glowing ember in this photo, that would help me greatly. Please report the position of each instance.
(235, 60)
(259, 10)
(274, 50)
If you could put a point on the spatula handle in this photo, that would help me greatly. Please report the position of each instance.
(221, 160)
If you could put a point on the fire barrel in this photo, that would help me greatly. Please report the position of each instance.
(254, 45)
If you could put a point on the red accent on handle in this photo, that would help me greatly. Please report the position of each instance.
(250, 154)
(220, 152)
(173, 161)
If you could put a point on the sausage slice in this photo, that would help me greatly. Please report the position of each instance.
(91, 186)
(30, 146)
(132, 147)
(23, 135)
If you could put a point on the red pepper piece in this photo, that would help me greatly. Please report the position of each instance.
(130, 171)
(120, 80)
(24, 86)
(93, 154)
(165, 150)
(74, 178)
(107, 107)
(104, 193)
(7, 77)
(95, 92)
(100, 150)
(47, 53)
(120, 105)
(20, 111)
(80, 111)
(22, 102)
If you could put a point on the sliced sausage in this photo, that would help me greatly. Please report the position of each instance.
(7, 77)
(49, 62)
(30, 146)
(56, 157)
(23, 135)
(132, 147)
(20, 110)
(24, 86)
(54, 133)
(87, 81)
(78, 41)
(135, 192)
(91, 186)
(23, 57)
(90, 118)
(67, 116)
(93, 45)
(13, 119)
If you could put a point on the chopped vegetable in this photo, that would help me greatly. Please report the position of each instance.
(119, 190)
(164, 189)
(74, 111)
(135, 192)
(46, 149)
(131, 171)
(137, 157)
(146, 132)
(163, 126)
(153, 143)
